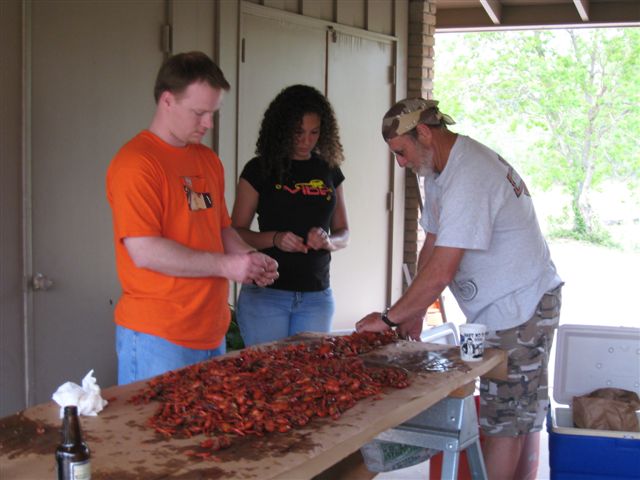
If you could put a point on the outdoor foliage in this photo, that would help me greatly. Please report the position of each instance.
(561, 105)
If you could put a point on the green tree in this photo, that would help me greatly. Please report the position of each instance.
(570, 96)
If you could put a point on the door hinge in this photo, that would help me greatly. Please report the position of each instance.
(242, 50)
(390, 201)
(166, 39)
(333, 34)
(392, 74)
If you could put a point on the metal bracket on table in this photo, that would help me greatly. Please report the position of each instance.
(451, 425)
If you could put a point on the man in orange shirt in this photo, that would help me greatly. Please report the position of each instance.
(175, 248)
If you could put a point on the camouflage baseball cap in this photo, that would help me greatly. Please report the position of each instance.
(408, 113)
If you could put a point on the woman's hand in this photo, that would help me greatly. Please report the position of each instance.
(318, 239)
(289, 242)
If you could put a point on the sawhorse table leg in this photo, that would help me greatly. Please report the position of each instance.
(450, 426)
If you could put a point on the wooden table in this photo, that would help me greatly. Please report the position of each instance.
(123, 448)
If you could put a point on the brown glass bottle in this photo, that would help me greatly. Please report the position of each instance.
(72, 455)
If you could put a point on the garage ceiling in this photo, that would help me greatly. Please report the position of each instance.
(474, 15)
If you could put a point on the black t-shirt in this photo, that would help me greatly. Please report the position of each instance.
(305, 199)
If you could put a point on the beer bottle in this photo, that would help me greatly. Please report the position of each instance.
(72, 455)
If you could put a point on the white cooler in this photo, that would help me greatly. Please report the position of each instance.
(589, 358)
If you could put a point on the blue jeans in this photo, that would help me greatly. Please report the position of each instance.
(141, 356)
(267, 314)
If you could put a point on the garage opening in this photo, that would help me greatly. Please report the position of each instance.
(560, 106)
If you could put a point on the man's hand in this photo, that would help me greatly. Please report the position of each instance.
(412, 328)
(260, 269)
(169, 257)
(371, 323)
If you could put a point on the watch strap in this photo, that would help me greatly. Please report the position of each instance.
(385, 318)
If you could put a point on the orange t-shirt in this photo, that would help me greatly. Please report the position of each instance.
(156, 189)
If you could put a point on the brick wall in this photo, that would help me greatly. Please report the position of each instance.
(422, 25)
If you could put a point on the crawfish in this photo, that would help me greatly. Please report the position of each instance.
(268, 390)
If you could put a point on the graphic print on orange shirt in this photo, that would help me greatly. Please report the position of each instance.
(197, 196)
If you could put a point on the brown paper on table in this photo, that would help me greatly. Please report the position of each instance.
(607, 409)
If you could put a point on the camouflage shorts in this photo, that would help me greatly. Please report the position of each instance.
(519, 405)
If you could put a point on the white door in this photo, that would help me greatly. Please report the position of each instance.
(92, 69)
(281, 50)
(360, 90)
(275, 53)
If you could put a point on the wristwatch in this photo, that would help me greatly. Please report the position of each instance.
(385, 318)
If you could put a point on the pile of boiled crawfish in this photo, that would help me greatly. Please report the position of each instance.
(265, 390)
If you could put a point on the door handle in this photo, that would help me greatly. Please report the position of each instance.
(41, 282)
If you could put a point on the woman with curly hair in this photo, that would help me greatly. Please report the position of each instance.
(294, 184)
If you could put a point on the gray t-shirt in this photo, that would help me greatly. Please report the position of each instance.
(479, 203)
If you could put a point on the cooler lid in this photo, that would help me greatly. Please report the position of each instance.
(590, 357)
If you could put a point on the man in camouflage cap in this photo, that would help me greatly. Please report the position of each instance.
(484, 243)
(405, 115)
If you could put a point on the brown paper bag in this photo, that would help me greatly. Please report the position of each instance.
(607, 409)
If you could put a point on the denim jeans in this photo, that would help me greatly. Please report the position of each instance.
(267, 314)
(141, 356)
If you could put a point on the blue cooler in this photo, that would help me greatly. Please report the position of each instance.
(588, 358)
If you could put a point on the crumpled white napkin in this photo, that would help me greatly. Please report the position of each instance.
(87, 398)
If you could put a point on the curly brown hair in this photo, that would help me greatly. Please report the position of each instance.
(281, 120)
